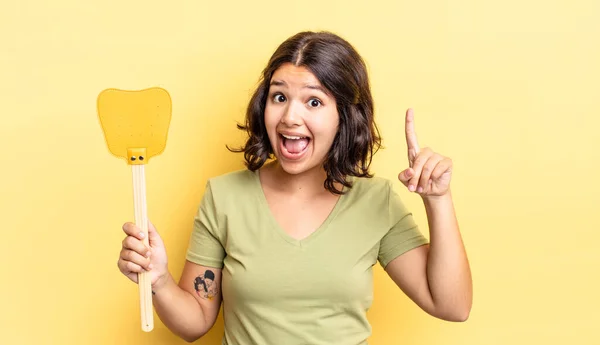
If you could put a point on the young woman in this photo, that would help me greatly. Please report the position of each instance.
(288, 244)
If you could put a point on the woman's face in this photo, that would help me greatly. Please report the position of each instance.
(300, 118)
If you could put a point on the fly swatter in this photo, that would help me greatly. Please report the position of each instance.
(135, 125)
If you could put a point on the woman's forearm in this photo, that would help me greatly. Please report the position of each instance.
(448, 271)
(179, 310)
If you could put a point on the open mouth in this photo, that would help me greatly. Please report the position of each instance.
(294, 146)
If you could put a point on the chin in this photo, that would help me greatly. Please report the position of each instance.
(292, 168)
(297, 167)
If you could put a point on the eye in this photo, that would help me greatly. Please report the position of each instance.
(314, 103)
(278, 98)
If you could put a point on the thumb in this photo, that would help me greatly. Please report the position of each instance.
(153, 235)
(405, 176)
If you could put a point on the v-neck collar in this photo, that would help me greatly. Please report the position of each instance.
(268, 213)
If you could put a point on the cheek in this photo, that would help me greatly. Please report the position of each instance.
(326, 127)
(268, 116)
(271, 120)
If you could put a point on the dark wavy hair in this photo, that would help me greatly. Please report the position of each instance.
(342, 72)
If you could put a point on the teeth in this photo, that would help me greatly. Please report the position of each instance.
(292, 137)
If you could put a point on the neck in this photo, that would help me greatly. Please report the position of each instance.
(307, 183)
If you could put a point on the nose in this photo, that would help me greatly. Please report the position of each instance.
(291, 115)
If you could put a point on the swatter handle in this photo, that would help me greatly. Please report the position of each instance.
(141, 220)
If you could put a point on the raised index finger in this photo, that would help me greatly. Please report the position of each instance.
(411, 136)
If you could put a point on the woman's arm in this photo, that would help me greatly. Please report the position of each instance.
(437, 276)
(186, 308)
(183, 308)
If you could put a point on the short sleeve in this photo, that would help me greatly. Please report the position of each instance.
(205, 247)
(403, 234)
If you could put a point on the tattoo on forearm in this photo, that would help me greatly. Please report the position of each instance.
(205, 285)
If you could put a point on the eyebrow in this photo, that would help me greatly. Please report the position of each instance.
(306, 86)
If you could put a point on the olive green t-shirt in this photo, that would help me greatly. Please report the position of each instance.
(281, 291)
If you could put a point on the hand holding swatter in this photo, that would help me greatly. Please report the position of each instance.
(135, 125)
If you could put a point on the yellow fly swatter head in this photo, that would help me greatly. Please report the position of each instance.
(135, 125)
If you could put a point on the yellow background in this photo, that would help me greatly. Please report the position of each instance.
(508, 89)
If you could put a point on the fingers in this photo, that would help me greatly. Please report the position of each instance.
(134, 262)
(425, 166)
(428, 167)
(411, 137)
(128, 269)
(425, 180)
(405, 176)
(445, 165)
(418, 166)
(135, 255)
(136, 245)
(132, 230)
